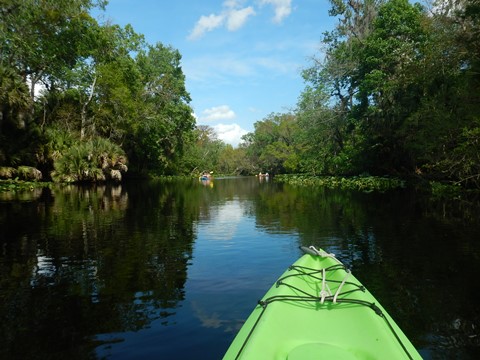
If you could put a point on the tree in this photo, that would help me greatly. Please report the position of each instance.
(204, 151)
(449, 118)
(327, 108)
(39, 42)
(155, 141)
(40, 39)
(388, 89)
(273, 145)
(324, 140)
(97, 81)
(338, 72)
(14, 99)
(396, 93)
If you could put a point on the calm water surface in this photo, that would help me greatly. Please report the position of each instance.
(171, 270)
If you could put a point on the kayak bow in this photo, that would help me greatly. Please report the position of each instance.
(318, 310)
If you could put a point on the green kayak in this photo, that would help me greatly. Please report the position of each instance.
(318, 310)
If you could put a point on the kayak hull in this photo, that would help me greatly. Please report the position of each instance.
(318, 310)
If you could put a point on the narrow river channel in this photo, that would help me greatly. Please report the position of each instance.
(170, 270)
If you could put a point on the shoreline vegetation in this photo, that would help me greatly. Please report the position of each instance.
(23, 185)
(361, 183)
(405, 102)
(368, 184)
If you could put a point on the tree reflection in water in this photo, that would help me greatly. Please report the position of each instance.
(171, 269)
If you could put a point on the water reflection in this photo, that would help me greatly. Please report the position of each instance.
(78, 264)
(133, 270)
(208, 182)
(223, 220)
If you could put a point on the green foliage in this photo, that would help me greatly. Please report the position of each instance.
(162, 119)
(19, 185)
(55, 143)
(101, 80)
(440, 190)
(15, 103)
(396, 93)
(39, 32)
(205, 152)
(14, 96)
(361, 183)
(463, 163)
(273, 147)
(85, 161)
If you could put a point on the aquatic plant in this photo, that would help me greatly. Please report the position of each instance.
(19, 185)
(361, 183)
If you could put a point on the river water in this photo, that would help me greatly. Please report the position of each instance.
(170, 270)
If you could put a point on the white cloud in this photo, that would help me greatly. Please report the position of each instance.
(233, 4)
(283, 8)
(237, 18)
(205, 24)
(232, 15)
(230, 133)
(222, 112)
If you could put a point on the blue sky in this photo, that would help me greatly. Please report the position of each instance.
(242, 58)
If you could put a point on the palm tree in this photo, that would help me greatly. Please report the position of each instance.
(14, 98)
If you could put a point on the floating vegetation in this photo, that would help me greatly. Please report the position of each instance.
(171, 178)
(361, 183)
(19, 185)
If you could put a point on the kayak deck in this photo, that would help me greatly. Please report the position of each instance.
(318, 310)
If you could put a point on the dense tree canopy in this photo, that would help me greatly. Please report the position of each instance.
(66, 80)
(395, 91)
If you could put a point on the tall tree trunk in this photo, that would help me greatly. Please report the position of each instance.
(84, 110)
